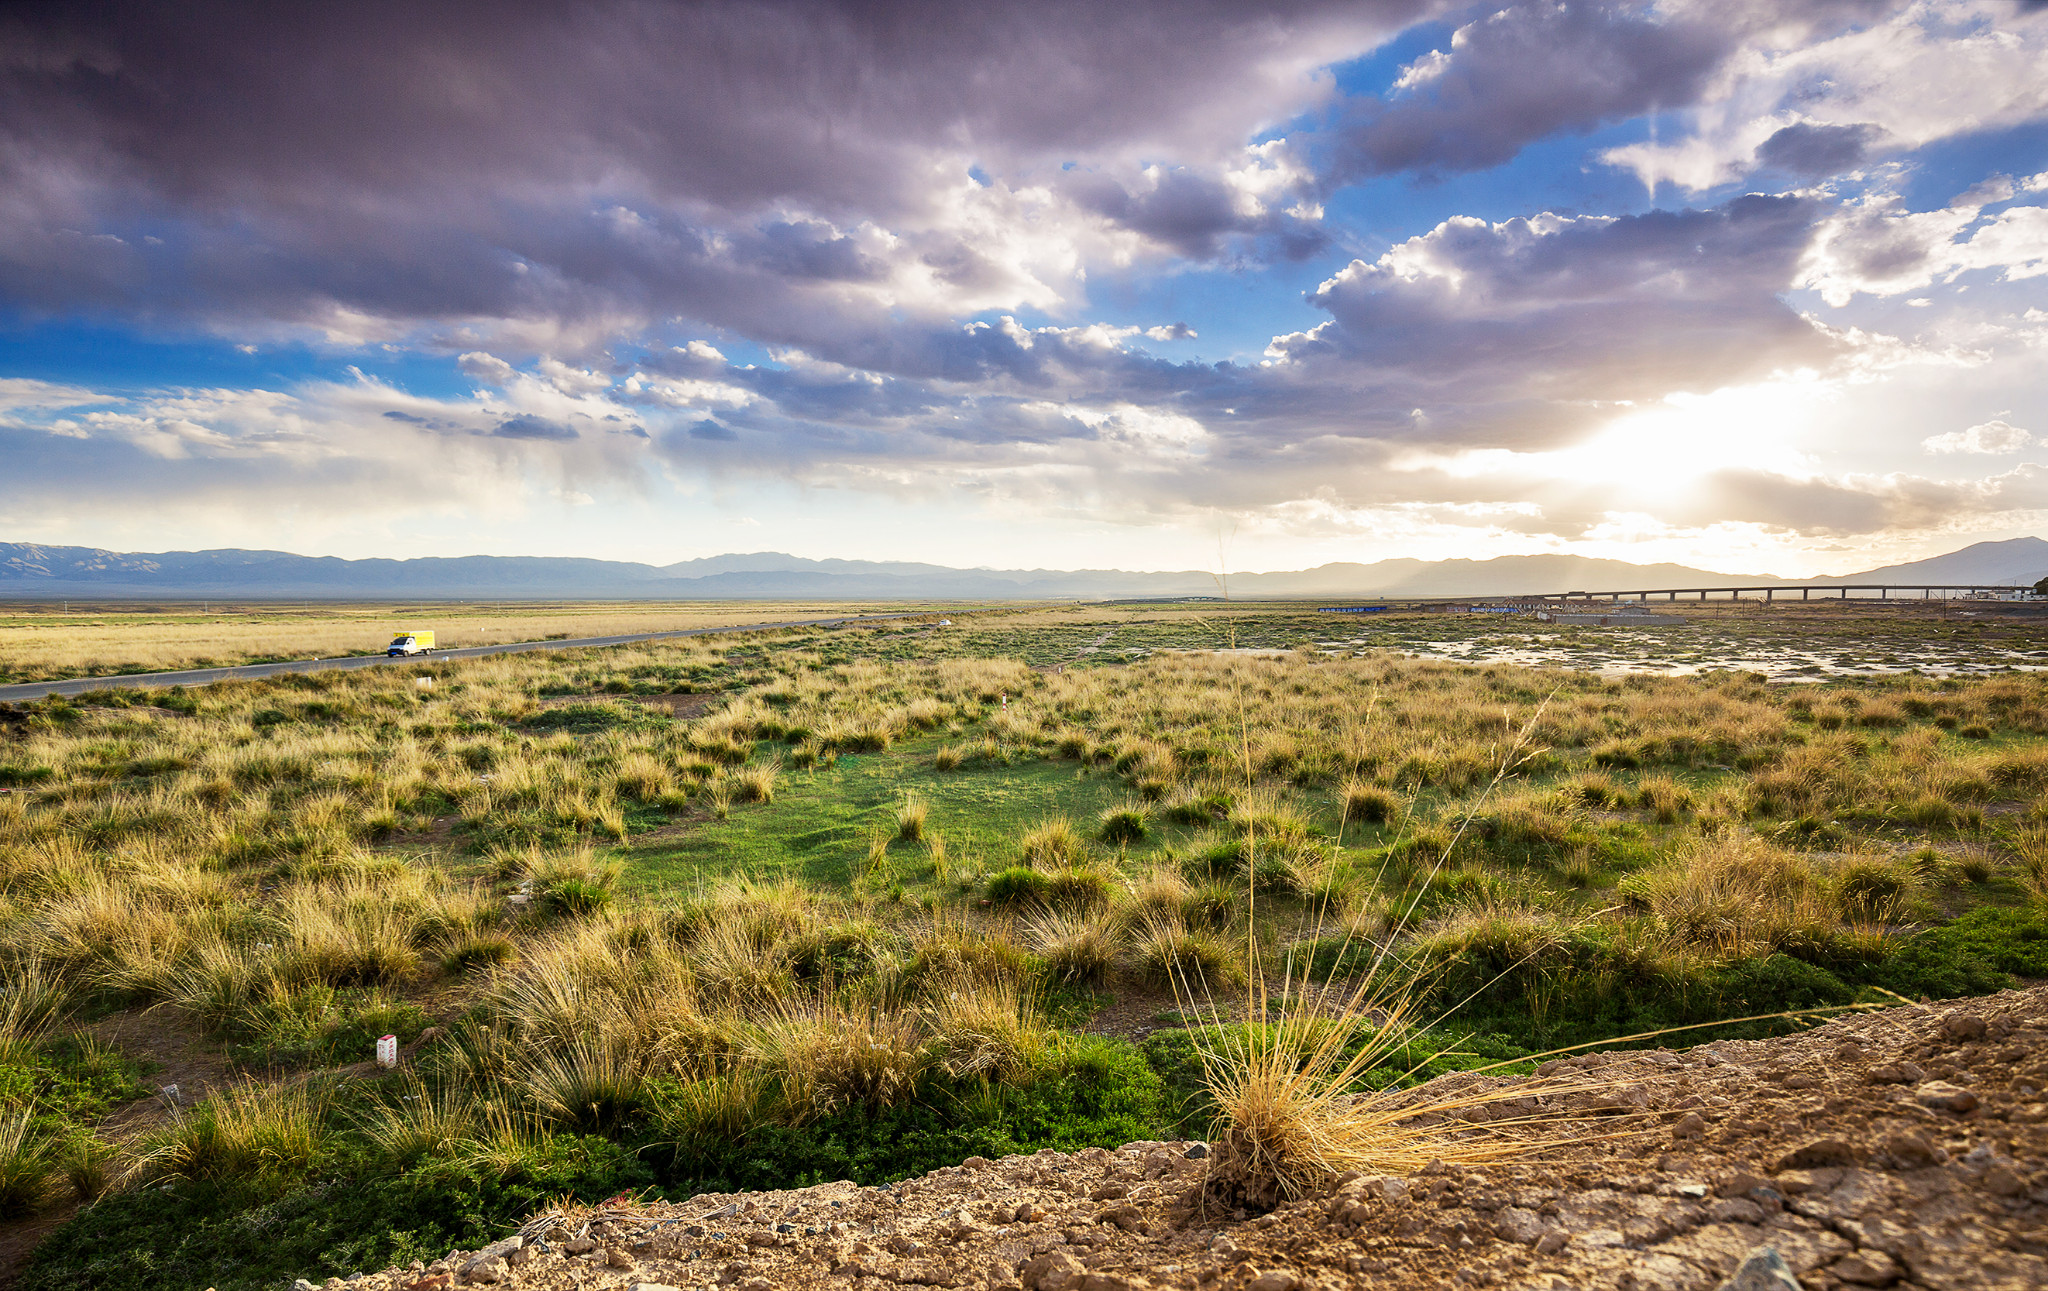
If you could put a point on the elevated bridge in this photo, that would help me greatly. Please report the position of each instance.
(1806, 591)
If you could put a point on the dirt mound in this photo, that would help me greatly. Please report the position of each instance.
(1904, 1148)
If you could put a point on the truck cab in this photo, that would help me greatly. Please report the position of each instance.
(406, 643)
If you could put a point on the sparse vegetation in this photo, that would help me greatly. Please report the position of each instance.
(766, 939)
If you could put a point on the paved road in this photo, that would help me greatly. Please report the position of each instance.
(205, 676)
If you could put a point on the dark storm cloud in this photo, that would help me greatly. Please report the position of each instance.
(1523, 72)
(1860, 506)
(1814, 151)
(709, 429)
(1194, 214)
(1557, 309)
(457, 160)
(1525, 335)
(527, 426)
(1529, 71)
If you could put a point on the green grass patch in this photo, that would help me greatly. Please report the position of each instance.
(820, 825)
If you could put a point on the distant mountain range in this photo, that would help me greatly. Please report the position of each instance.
(30, 571)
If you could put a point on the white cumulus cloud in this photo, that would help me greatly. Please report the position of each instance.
(1993, 436)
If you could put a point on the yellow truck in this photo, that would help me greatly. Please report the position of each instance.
(410, 643)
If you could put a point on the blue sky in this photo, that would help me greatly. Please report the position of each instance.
(1047, 285)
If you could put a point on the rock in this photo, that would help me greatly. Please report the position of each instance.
(1957, 1026)
(1518, 1225)
(1818, 1152)
(1866, 1268)
(651, 1286)
(1128, 1218)
(1198, 1151)
(486, 1272)
(2002, 1180)
(497, 1250)
(1740, 1184)
(304, 1284)
(1944, 1097)
(1552, 1242)
(1910, 1149)
(1273, 1280)
(1735, 1210)
(1689, 1126)
(1052, 1271)
(1763, 1269)
(1110, 1192)
(618, 1259)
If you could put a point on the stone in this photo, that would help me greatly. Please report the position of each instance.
(1552, 1242)
(1944, 1097)
(1763, 1269)
(1910, 1149)
(488, 1272)
(1518, 1225)
(1818, 1152)
(1689, 1126)
(651, 1286)
(1735, 1210)
(1274, 1280)
(1198, 1151)
(1957, 1026)
(2001, 1180)
(1052, 1271)
(1127, 1217)
(1740, 1183)
(1866, 1268)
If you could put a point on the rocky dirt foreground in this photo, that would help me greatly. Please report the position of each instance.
(1903, 1148)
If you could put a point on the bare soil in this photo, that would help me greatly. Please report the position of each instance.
(1906, 1148)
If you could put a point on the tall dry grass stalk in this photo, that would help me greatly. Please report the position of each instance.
(1291, 1112)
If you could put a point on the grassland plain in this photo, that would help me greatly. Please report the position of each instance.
(767, 909)
(103, 639)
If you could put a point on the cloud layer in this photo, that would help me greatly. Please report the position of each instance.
(919, 251)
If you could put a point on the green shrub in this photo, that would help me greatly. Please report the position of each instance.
(1078, 890)
(1052, 845)
(1018, 885)
(242, 1238)
(27, 1174)
(1370, 804)
(1122, 826)
(1209, 905)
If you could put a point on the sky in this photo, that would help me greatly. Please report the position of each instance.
(1749, 286)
